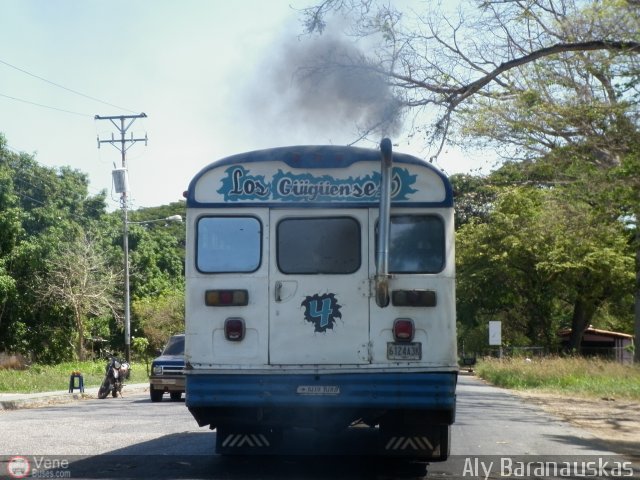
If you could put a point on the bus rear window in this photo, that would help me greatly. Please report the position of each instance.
(416, 244)
(319, 245)
(228, 244)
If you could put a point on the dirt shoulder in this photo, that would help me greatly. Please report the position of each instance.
(616, 423)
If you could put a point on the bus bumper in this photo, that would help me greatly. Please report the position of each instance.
(403, 414)
(317, 399)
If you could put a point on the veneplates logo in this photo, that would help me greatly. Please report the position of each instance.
(18, 467)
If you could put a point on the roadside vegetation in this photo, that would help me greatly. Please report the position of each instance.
(47, 378)
(548, 240)
(61, 267)
(566, 376)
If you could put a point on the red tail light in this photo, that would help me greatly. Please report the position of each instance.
(234, 329)
(403, 329)
(226, 298)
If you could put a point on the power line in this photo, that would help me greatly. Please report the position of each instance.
(63, 87)
(44, 106)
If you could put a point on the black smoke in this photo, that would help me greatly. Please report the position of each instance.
(326, 83)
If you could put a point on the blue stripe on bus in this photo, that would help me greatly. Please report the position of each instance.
(358, 390)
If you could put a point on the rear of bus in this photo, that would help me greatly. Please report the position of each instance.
(283, 328)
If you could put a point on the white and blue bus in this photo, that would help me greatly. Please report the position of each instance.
(320, 294)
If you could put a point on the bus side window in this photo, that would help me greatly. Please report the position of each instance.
(228, 244)
(416, 244)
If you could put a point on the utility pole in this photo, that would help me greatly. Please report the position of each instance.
(122, 124)
(636, 340)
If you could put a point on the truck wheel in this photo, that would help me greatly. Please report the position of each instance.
(175, 396)
(156, 395)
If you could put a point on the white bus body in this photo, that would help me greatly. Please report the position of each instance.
(283, 329)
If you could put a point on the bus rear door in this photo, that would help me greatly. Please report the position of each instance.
(319, 287)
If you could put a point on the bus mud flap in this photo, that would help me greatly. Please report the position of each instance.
(431, 444)
(230, 441)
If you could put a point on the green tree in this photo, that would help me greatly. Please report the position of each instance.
(526, 78)
(156, 260)
(504, 251)
(10, 231)
(160, 317)
(79, 280)
(61, 257)
(473, 198)
(556, 262)
(41, 208)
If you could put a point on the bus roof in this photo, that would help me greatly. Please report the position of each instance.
(314, 176)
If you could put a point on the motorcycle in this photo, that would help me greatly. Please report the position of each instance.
(116, 372)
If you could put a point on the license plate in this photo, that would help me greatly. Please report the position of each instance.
(404, 351)
(318, 390)
(168, 382)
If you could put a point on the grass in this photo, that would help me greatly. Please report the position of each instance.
(45, 378)
(575, 376)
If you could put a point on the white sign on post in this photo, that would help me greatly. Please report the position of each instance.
(495, 333)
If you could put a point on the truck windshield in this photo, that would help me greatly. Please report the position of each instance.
(175, 346)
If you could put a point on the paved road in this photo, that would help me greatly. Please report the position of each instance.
(131, 437)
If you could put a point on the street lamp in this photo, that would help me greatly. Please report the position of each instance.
(127, 300)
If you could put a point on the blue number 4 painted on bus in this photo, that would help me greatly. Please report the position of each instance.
(321, 311)
(323, 314)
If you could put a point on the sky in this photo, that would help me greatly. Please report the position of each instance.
(214, 78)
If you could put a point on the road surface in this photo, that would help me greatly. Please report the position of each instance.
(131, 437)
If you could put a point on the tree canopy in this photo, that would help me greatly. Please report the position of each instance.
(550, 86)
(61, 262)
(558, 262)
(540, 53)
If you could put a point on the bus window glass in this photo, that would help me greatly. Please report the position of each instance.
(319, 245)
(228, 244)
(416, 244)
